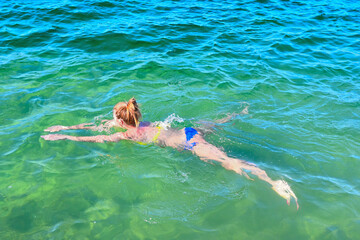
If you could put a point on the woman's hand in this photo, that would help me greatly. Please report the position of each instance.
(55, 128)
(54, 137)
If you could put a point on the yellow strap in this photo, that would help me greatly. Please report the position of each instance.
(157, 134)
(154, 138)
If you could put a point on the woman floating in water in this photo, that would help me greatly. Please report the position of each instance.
(127, 115)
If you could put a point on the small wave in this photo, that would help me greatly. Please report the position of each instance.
(104, 4)
(102, 124)
(169, 121)
(109, 41)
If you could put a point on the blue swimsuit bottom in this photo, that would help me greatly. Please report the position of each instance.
(190, 133)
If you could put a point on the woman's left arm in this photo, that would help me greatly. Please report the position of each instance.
(86, 126)
(98, 139)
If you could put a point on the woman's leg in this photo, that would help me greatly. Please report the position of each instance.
(207, 151)
(209, 126)
(229, 117)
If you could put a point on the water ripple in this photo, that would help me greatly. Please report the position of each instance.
(296, 63)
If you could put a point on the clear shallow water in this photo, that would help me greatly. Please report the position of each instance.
(295, 63)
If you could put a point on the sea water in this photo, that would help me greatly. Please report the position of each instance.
(293, 64)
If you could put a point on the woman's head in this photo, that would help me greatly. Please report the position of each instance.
(129, 112)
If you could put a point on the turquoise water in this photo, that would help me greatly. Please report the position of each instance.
(295, 64)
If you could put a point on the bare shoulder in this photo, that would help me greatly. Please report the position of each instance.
(137, 134)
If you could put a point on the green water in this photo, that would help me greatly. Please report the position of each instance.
(295, 64)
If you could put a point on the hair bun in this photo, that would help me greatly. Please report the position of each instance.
(128, 111)
(134, 111)
(132, 104)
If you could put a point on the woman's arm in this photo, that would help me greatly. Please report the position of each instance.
(87, 126)
(57, 128)
(99, 138)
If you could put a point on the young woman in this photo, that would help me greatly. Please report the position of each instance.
(127, 115)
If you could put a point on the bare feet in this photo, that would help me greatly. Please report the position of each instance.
(283, 189)
(233, 115)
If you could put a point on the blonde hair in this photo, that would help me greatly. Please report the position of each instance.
(128, 111)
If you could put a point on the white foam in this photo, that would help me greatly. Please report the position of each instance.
(246, 108)
(168, 121)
